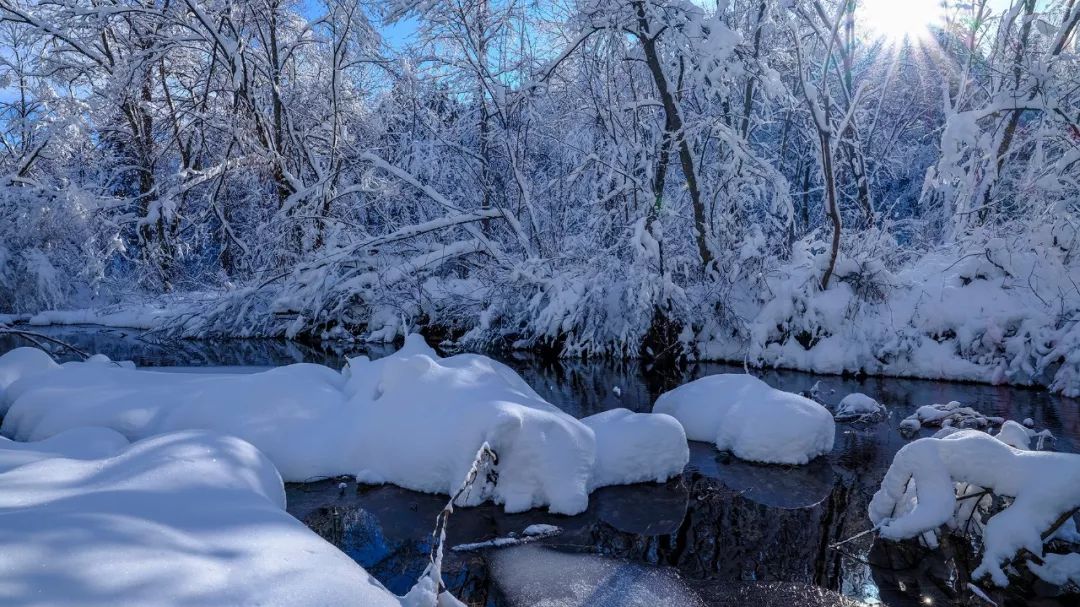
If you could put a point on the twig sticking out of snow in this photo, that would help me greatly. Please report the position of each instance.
(431, 579)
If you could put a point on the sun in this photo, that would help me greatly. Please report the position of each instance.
(899, 20)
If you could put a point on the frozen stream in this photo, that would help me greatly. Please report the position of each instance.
(726, 533)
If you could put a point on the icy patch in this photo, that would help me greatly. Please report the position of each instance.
(919, 493)
(531, 576)
(858, 407)
(636, 447)
(532, 533)
(753, 420)
(77, 443)
(190, 518)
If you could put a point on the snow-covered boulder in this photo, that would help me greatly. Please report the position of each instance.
(857, 406)
(19, 363)
(77, 443)
(420, 418)
(750, 418)
(919, 493)
(636, 447)
(191, 518)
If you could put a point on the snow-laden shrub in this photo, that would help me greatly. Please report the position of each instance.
(51, 250)
(999, 306)
(951, 482)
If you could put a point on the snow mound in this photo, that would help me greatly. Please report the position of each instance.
(538, 577)
(420, 420)
(750, 418)
(78, 443)
(413, 419)
(857, 406)
(919, 493)
(19, 363)
(190, 518)
(636, 447)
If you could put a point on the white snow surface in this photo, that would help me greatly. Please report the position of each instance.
(22, 362)
(413, 419)
(189, 518)
(1058, 569)
(750, 418)
(856, 405)
(636, 447)
(77, 443)
(1044, 485)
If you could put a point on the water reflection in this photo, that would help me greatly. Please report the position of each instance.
(739, 533)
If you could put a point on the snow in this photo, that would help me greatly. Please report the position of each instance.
(190, 518)
(753, 420)
(532, 533)
(951, 414)
(539, 577)
(22, 362)
(77, 443)
(636, 447)
(413, 419)
(855, 406)
(1058, 569)
(918, 493)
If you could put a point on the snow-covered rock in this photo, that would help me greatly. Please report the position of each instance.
(636, 447)
(191, 518)
(77, 443)
(918, 493)
(419, 420)
(753, 420)
(413, 419)
(856, 406)
(951, 414)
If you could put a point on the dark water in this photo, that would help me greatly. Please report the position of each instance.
(737, 533)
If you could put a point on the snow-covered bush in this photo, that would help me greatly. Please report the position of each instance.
(950, 482)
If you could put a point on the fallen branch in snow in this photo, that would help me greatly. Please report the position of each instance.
(919, 495)
(32, 337)
(532, 533)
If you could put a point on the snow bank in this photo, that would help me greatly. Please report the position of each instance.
(191, 518)
(413, 419)
(995, 308)
(78, 443)
(636, 447)
(918, 493)
(948, 415)
(753, 420)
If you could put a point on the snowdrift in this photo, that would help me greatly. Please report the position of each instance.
(753, 420)
(191, 518)
(413, 419)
